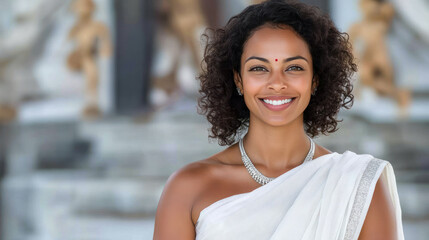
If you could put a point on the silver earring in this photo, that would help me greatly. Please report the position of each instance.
(314, 92)
(239, 91)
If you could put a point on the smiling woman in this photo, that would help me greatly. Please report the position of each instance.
(332, 67)
(279, 72)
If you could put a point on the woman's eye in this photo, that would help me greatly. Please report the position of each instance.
(258, 69)
(295, 68)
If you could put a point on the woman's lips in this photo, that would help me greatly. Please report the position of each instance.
(277, 107)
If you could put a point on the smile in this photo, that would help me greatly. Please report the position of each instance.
(277, 102)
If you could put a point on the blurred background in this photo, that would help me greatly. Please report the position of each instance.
(98, 107)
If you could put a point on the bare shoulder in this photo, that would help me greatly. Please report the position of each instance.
(174, 212)
(380, 221)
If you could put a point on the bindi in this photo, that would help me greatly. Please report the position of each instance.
(276, 59)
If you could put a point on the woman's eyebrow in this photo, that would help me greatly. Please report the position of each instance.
(286, 60)
(294, 58)
(257, 58)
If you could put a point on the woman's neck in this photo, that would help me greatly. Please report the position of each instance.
(276, 148)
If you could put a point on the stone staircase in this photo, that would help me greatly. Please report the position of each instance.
(114, 191)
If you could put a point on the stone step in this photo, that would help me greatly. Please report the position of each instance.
(164, 133)
(146, 164)
(43, 198)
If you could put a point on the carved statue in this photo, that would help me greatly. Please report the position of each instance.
(370, 49)
(92, 40)
(182, 19)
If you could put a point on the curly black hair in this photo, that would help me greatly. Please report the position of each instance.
(333, 65)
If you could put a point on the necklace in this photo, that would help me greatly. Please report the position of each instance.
(258, 176)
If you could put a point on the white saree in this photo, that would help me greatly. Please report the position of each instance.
(323, 199)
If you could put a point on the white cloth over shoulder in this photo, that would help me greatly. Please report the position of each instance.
(324, 199)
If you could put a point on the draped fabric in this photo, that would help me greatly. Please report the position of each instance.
(326, 198)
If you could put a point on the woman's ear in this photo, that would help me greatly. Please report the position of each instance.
(237, 81)
(314, 84)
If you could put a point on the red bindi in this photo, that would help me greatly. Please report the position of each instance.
(276, 59)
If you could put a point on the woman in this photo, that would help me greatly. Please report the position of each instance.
(278, 72)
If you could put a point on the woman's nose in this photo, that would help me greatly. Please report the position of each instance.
(277, 82)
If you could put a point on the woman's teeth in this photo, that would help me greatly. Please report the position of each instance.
(277, 102)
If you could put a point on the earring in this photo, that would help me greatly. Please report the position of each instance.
(314, 92)
(239, 91)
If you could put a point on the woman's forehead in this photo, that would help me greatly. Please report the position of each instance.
(269, 41)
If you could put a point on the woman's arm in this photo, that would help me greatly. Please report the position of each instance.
(173, 216)
(380, 221)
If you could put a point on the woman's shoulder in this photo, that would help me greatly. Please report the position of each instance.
(180, 192)
(361, 157)
(192, 179)
(191, 175)
(195, 175)
(197, 170)
(362, 163)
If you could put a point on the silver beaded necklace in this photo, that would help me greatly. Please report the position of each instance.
(258, 176)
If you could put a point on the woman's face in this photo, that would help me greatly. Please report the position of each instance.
(276, 73)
